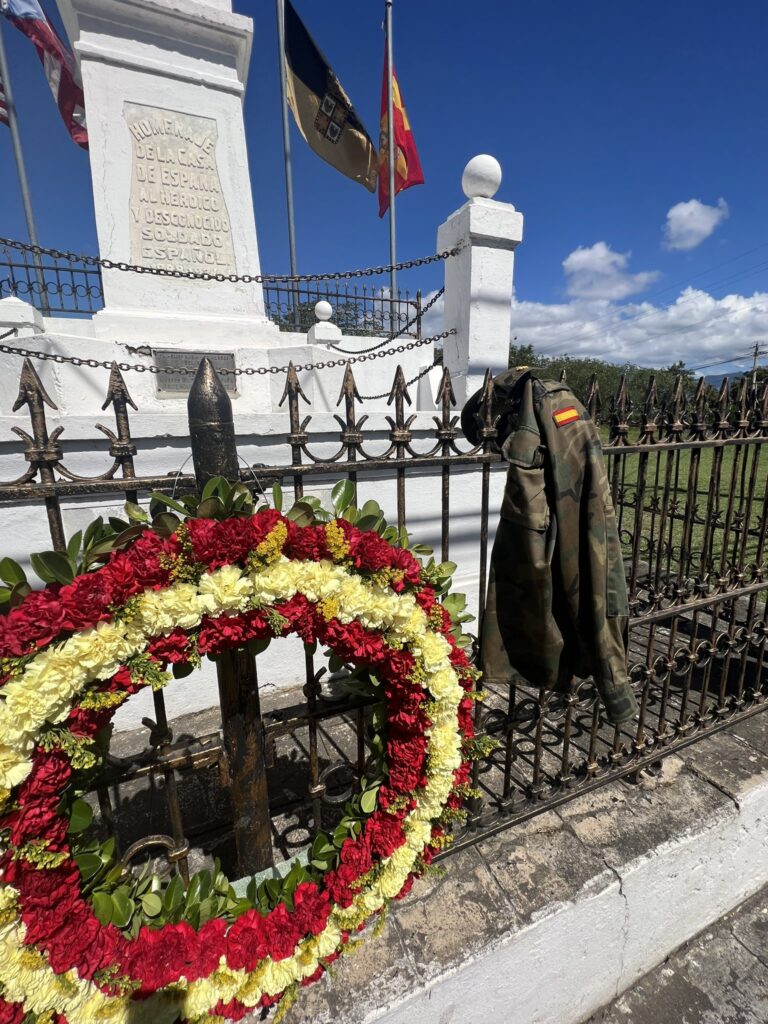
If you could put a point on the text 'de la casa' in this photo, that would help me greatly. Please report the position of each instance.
(178, 214)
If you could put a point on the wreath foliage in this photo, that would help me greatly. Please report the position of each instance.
(133, 604)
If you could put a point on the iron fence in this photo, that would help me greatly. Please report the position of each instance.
(689, 475)
(357, 309)
(65, 285)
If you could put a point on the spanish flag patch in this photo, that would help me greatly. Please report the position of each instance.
(568, 414)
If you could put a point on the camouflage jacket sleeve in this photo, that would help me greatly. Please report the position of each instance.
(557, 603)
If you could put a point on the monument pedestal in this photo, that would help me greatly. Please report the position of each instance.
(164, 83)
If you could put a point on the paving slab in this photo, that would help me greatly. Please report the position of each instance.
(539, 863)
(447, 922)
(623, 822)
(731, 763)
(717, 978)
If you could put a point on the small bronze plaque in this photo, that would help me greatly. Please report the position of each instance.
(178, 384)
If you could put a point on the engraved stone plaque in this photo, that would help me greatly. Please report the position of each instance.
(178, 215)
(178, 384)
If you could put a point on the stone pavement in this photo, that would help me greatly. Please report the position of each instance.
(719, 977)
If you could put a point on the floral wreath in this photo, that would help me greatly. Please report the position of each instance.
(128, 605)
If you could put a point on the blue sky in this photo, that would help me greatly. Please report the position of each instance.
(604, 116)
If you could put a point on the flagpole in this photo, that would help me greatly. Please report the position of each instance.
(287, 151)
(26, 199)
(391, 154)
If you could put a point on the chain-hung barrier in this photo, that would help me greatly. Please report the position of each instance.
(245, 371)
(136, 268)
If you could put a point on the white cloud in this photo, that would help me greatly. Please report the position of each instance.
(598, 272)
(696, 328)
(688, 224)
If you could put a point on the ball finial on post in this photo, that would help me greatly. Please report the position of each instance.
(323, 310)
(481, 177)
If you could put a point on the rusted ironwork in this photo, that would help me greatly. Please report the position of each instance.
(214, 453)
(689, 476)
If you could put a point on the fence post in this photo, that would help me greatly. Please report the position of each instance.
(478, 280)
(214, 453)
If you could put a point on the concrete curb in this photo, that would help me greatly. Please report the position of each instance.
(637, 872)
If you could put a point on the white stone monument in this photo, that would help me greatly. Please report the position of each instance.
(164, 82)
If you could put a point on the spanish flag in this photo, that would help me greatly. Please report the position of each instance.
(323, 111)
(407, 164)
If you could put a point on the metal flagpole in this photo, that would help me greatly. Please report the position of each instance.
(287, 152)
(391, 154)
(26, 199)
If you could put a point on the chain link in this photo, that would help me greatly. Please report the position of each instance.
(386, 394)
(419, 315)
(248, 371)
(106, 264)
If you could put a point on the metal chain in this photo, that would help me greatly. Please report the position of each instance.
(425, 309)
(386, 394)
(248, 371)
(97, 261)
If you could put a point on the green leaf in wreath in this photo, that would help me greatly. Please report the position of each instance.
(368, 800)
(11, 572)
(277, 496)
(88, 864)
(123, 907)
(102, 907)
(211, 508)
(80, 817)
(174, 894)
(151, 904)
(53, 567)
(342, 495)
(302, 514)
(136, 513)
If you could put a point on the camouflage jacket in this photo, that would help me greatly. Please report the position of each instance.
(557, 597)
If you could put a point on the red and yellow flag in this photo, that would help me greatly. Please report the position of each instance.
(407, 164)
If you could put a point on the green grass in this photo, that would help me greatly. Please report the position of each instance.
(730, 474)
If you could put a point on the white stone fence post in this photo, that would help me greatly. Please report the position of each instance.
(478, 281)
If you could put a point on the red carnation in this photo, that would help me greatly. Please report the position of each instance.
(163, 955)
(356, 855)
(146, 555)
(211, 943)
(246, 941)
(311, 908)
(403, 560)
(216, 543)
(406, 763)
(173, 648)
(50, 773)
(233, 1010)
(305, 543)
(11, 1013)
(281, 932)
(385, 833)
(86, 600)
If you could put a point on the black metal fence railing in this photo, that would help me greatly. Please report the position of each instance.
(62, 287)
(689, 474)
(65, 286)
(357, 310)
